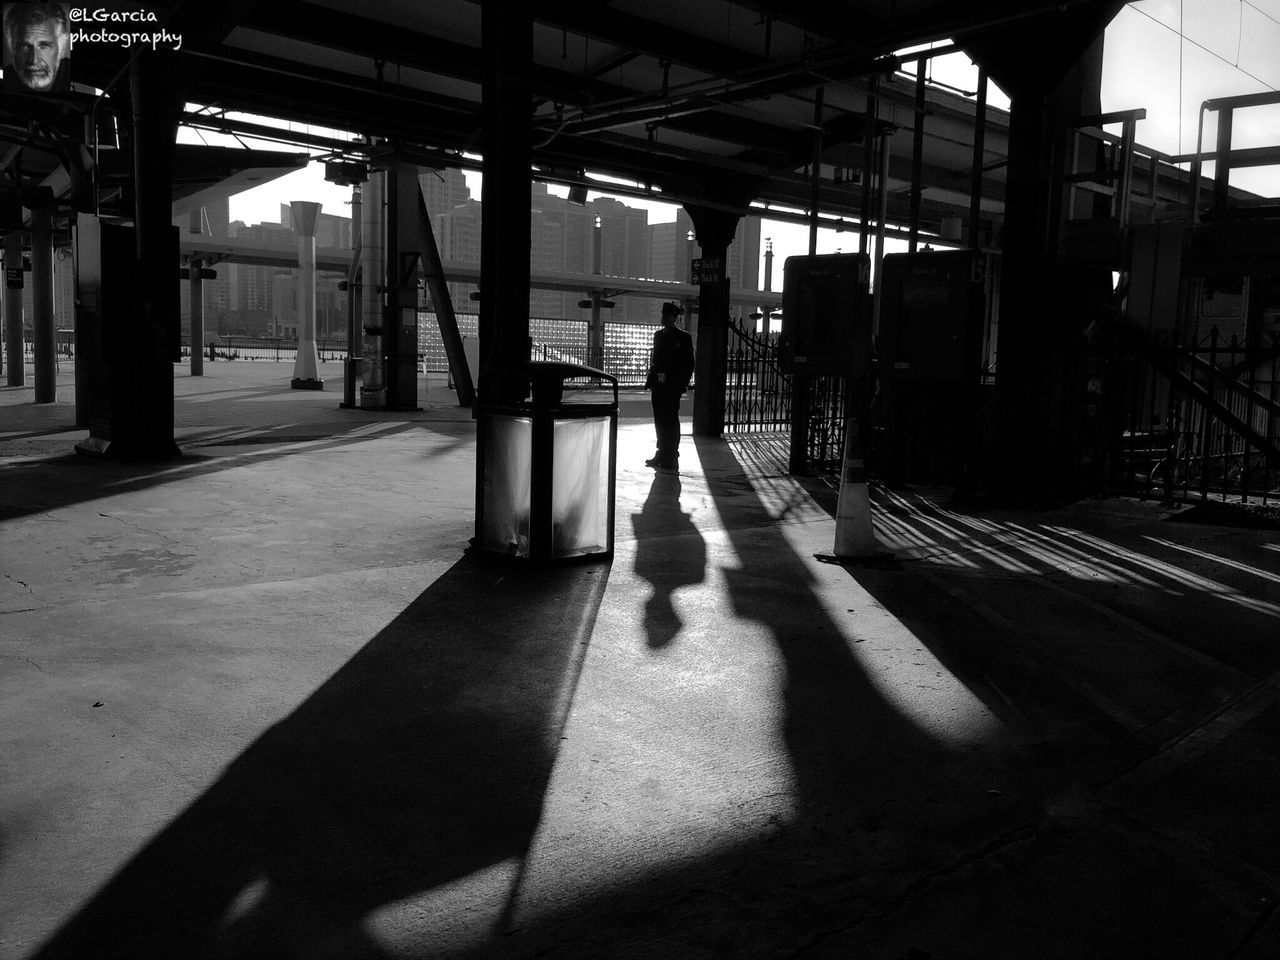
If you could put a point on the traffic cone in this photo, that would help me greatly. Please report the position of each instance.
(855, 536)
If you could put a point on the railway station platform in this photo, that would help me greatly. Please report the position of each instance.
(259, 701)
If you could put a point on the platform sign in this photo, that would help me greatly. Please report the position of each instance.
(13, 278)
(708, 269)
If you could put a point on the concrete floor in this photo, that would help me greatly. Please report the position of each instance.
(258, 702)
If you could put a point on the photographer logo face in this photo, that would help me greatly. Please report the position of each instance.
(36, 45)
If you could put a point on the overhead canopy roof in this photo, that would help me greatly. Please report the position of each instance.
(38, 144)
(706, 100)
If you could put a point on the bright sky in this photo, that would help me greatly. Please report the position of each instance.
(1165, 55)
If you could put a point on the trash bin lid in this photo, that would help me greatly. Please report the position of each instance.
(549, 375)
(555, 369)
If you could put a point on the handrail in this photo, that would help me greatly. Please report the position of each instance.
(1166, 361)
(1122, 175)
(749, 337)
(1231, 383)
(1223, 154)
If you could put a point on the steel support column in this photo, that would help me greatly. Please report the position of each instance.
(715, 229)
(195, 285)
(979, 152)
(373, 248)
(917, 157)
(868, 165)
(506, 28)
(404, 267)
(142, 368)
(1044, 302)
(351, 366)
(883, 201)
(13, 308)
(595, 327)
(45, 337)
(801, 385)
(195, 291)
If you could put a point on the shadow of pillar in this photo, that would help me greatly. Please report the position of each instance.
(424, 759)
(846, 741)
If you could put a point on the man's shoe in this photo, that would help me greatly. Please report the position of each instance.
(653, 462)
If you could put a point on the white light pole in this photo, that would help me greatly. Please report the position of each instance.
(306, 368)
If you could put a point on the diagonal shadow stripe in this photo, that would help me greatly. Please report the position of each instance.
(423, 759)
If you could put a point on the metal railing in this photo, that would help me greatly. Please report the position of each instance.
(758, 397)
(1203, 418)
(216, 348)
(626, 345)
(1225, 157)
(826, 422)
(274, 349)
(1112, 175)
(757, 394)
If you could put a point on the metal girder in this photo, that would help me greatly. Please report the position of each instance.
(349, 32)
(636, 33)
(770, 148)
(207, 24)
(858, 24)
(711, 107)
(695, 117)
(260, 84)
(218, 123)
(743, 85)
(842, 129)
(658, 164)
(1025, 58)
(761, 140)
(436, 279)
(803, 12)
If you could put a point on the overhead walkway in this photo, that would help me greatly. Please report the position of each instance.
(210, 252)
(259, 702)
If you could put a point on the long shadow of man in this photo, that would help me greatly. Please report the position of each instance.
(670, 553)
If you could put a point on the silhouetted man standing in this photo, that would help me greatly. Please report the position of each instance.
(670, 367)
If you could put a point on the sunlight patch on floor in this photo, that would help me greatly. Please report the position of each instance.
(900, 666)
(460, 916)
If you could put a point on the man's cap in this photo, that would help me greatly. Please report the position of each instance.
(671, 308)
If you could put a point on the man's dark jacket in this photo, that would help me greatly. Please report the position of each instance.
(672, 355)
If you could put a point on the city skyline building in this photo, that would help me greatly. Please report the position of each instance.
(565, 237)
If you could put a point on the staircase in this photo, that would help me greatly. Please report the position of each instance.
(1209, 420)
